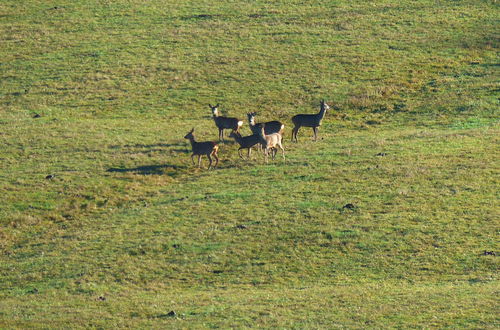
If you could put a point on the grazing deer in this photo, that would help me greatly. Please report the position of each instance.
(245, 142)
(270, 127)
(271, 142)
(223, 123)
(203, 148)
(313, 121)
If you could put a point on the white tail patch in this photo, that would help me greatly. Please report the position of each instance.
(240, 123)
(282, 127)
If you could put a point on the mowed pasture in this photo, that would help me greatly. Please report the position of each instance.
(390, 219)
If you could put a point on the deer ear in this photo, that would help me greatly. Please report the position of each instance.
(217, 105)
(210, 106)
(192, 130)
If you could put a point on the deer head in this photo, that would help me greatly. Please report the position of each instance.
(324, 106)
(190, 135)
(251, 118)
(214, 109)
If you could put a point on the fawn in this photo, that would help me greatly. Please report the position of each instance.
(224, 122)
(313, 121)
(245, 142)
(270, 127)
(203, 148)
(271, 142)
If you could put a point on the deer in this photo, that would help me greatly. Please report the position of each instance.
(270, 127)
(313, 121)
(223, 123)
(271, 142)
(245, 142)
(203, 148)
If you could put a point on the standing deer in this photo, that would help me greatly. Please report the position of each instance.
(224, 122)
(313, 121)
(245, 142)
(203, 148)
(270, 143)
(270, 127)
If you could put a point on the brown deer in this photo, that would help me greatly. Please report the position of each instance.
(313, 121)
(270, 127)
(203, 148)
(223, 123)
(245, 142)
(270, 143)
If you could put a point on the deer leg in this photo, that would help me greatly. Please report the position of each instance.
(192, 160)
(295, 131)
(209, 161)
(315, 129)
(199, 161)
(249, 152)
(216, 159)
(221, 134)
(282, 151)
(239, 153)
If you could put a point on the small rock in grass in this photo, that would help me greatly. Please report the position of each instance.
(172, 314)
(349, 206)
(50, 176)
(489, 253)
(101, 298)
(381, 154)
(36, 115)
(241, 227)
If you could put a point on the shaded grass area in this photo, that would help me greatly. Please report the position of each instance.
(369, 305)
(383, 222)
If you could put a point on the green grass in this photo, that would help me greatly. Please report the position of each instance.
(128, 230)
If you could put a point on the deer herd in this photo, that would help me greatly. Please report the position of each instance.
(268, 136)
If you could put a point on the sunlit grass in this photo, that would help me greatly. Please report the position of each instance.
(387, 221)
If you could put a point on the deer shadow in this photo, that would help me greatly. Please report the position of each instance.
(140, 145)
(183, 151)
(145, 170)
(181, 147)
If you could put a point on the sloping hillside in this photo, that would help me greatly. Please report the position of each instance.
(390, 219)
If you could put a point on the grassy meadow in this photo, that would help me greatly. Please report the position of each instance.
(125, 232)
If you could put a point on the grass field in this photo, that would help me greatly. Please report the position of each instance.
(127, 233)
